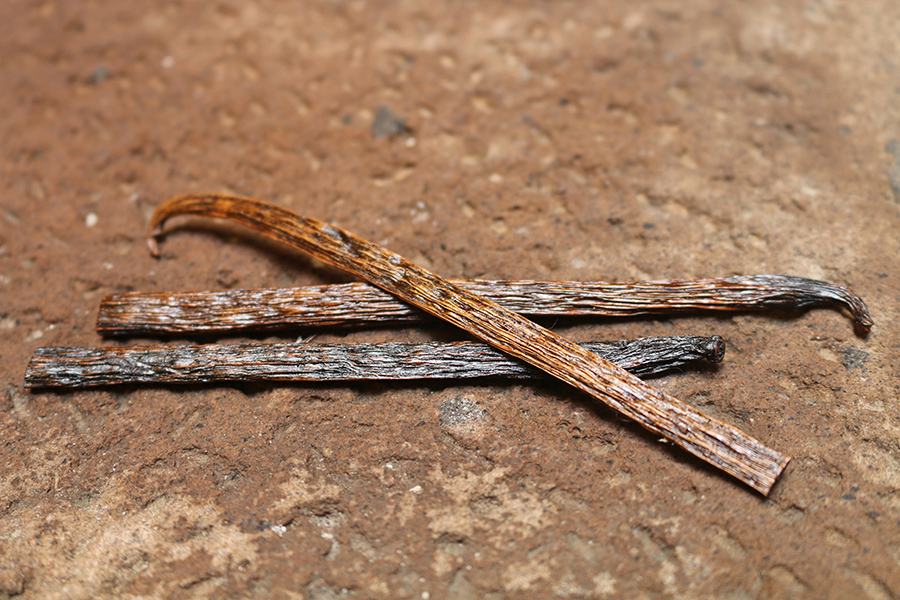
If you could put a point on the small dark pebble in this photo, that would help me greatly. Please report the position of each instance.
(387, 123)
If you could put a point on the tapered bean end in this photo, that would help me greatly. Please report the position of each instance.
(740, 455)
(40, 373)
(757, 466)
(767, 479)
(715, 349)
(791, 291)
(862, 324)
(843, 295)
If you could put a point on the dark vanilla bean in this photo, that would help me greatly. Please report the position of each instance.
(361, 303)
(714, 441)
(87, 367)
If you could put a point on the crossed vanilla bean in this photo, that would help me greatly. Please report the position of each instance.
(718, 443)
(360, 303)
(87, 367)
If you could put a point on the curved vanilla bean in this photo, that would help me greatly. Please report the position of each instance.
(87, 367)
(361, 303)
(714, 441)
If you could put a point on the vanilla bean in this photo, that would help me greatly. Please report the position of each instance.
(720, 444)
(361, 303)
(87, 367)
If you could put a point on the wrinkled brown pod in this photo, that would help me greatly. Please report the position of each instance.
(88, 367)
(714, 441)
(362, 303)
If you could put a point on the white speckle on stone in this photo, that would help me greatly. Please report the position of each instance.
(91, 219)
(279, 530)
(495, 178)
(410, 142)
(416, 489)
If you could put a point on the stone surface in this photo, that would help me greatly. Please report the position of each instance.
(564, 140)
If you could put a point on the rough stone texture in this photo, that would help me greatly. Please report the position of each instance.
(564, 140)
